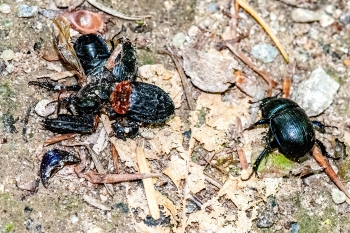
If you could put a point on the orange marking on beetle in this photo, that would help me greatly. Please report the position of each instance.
(120, 97)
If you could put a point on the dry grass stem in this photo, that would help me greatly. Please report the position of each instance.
(253, 13)
(148, 183)
(116, 13)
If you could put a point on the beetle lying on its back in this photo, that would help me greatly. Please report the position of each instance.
(290, 129)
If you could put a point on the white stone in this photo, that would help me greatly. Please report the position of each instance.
(5, 9)
(305, 16)
(326, 20)
(316, 93)
(338, 196)
(7, 54)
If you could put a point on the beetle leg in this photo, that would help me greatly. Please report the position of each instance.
(260, 122)
(323, 150)
(54, 86)
(321, 127)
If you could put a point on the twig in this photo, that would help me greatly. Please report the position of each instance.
(25, 122)
(253, 13)
(266, 76)
(148, 184)
(97, 178)
(59, 138)
(324, 163)
(213, 181)
(116, 13)
(59, 75)
(115, 156)
(242, 158)
(185, 81)
(287, 79)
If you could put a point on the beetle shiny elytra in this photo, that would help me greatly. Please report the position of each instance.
(290, 129)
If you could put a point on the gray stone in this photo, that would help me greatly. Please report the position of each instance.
(5, 9)
(305, 16)
(338, 196)
(345, 18)
(179, 39)
(26, 11)
(316, 94)
(264, 52)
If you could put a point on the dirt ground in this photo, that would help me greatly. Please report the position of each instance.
(196, 151)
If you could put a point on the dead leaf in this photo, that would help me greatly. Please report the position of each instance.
(176, 170)
(209, 72)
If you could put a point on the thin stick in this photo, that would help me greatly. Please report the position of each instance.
(116, 13)
(242, 158)
(253, 13)
(266, 76)
(97, 178)
(115, 156)
(287, 80)
(324, 163)
(59, 138)
(185, 81)
(148, 184)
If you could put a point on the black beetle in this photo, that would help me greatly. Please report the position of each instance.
(116, 88)
(290, 129)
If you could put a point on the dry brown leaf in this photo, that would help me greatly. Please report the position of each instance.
(168, 80)
(176, 170)
(61, 34)
(137, 200)
(211, 138)
(170, 208)
(222, 114)
(240, 192)
(155, 229)
(196, 178)
(209, 72)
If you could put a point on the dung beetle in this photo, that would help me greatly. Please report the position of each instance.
(290, 129)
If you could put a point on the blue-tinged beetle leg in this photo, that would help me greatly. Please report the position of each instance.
(324, 150)
(53, 161)
(270, 146)
(54, 86)
(321, 127)
(260, 122)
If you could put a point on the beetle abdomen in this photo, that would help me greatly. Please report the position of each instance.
(65, 123)
(293, 132)
(149, 104)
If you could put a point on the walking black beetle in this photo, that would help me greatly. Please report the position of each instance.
(290, 129)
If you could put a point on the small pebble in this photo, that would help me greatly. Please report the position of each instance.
(5, 9)
(305, 16)
(147, 134)
(345, 18)
(294, 227)
(316, 93)
(44, 109)
(212, 7)
(326, 20)
(264, 52)
(338, 196)
(346, 62)
(10, 68)
(179, 39)
(74, 219)
(26, 11)
(7, 55)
